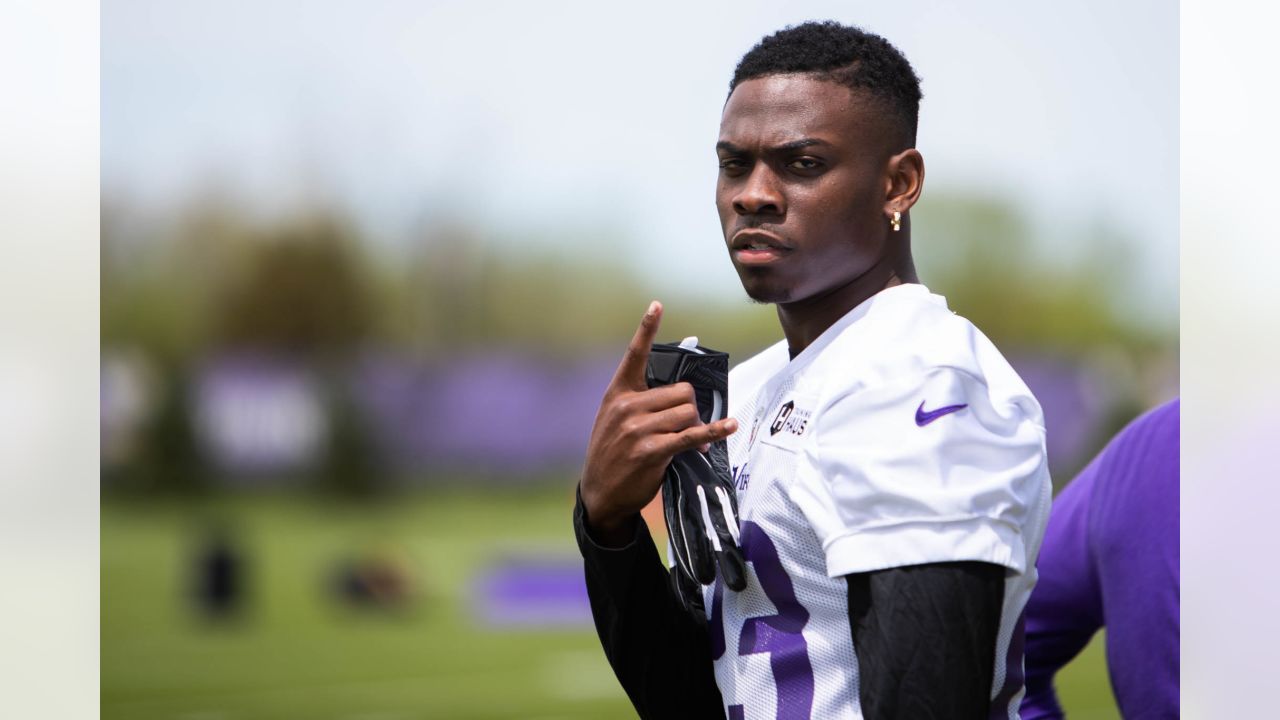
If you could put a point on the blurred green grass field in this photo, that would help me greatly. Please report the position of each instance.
(298, 654)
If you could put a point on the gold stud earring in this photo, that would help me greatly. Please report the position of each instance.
(896, 221)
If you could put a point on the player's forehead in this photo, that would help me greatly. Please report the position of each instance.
(778, 109)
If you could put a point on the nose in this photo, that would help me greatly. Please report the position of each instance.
(760, 194)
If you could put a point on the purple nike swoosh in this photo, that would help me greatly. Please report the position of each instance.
(924, 418)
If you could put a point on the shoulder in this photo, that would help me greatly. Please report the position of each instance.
(908, 339)
(1159, 427)
(1137, 474)
(923, 444)
(1145, 452)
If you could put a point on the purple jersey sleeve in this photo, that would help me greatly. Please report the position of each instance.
(1110, 557)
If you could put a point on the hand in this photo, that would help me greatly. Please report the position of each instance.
(636, 433)
(699, 499)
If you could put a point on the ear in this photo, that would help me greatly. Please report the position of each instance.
(904, 179)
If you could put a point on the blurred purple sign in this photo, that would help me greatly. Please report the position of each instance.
(533, 592)
(258, 415)
(490, 412)
(500, 413)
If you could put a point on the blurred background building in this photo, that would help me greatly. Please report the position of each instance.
(366, 269)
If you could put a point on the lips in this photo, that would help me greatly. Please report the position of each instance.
(757, 247)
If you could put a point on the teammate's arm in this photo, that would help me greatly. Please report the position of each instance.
(925, 639)
(659, 653)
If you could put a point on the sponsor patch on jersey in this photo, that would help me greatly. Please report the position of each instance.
(788, 424)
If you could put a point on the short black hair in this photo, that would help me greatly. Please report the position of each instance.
(843, 54)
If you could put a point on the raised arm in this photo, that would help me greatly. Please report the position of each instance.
(659, 652)
(636, 433)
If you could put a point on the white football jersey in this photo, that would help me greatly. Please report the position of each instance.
(900, 436)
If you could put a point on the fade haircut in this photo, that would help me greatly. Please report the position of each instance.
(841, 54)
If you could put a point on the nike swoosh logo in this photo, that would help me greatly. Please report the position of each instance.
(924, 418)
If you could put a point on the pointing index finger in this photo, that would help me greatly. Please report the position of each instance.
(630, 373)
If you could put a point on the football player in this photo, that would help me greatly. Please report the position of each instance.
(889, 465)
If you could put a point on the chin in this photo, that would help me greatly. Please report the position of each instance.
(766, 294)
(764, 286)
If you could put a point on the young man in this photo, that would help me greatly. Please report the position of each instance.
(889, 464)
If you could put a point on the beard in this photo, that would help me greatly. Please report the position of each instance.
(763, 290)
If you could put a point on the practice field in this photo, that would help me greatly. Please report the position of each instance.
(299, 653)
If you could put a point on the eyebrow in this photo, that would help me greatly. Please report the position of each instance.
(785, 147)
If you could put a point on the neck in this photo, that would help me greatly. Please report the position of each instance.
(804, 320)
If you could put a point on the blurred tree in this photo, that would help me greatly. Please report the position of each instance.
(304, 294)
(979, 253)
(313, 287)
(462, 289)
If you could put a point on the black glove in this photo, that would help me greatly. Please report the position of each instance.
(698, 498)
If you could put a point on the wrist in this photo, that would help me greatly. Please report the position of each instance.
(615, 534)
(608, 529)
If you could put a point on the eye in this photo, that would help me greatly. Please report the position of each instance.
(732, 165)
(805, 164)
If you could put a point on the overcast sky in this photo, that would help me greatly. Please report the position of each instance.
(528, 117)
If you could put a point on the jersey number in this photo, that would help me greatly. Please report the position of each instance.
(777, 635)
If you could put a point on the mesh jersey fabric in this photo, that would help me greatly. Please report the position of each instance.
(899, 437)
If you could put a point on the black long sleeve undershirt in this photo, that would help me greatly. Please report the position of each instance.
(660, 654)
(924, 635)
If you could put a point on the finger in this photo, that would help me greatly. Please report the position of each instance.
(698, 436)
(661, 398)
(671, 420)
(630, 374)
